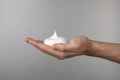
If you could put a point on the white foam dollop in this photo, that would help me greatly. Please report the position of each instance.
(54, 39)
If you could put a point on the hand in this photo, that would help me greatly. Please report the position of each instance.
(77, 46)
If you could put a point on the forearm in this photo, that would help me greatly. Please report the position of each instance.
(104, 50)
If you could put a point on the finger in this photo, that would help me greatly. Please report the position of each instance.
(33, 41)
(70, 47)
(62, 47)
(28, 40)
(44, 48)
(50, 51)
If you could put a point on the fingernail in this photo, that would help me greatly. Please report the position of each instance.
(27, 40)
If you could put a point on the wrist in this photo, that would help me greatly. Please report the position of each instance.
(92, 49)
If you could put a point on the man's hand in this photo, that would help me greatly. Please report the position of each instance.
(80, 45)
(77, 46)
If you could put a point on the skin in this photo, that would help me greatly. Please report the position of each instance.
(78, 46)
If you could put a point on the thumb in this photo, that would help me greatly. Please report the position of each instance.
(60, 47)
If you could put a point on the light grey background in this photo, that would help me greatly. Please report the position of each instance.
(97, 19)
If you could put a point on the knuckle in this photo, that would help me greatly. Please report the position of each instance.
(62, 56)
(36, 43)
(62, 48)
